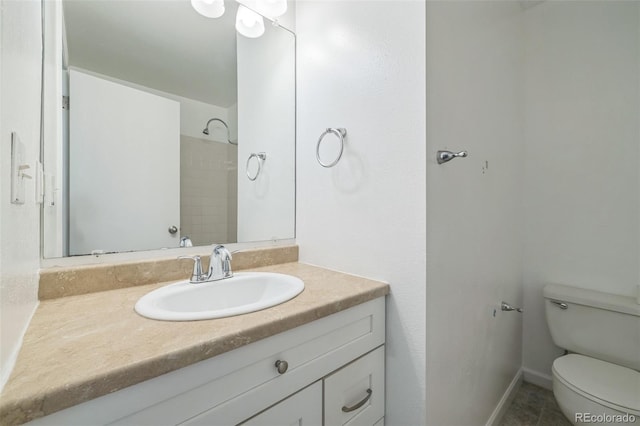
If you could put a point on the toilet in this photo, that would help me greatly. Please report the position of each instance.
(598, 381)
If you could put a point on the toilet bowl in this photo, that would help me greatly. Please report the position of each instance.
(586, 387)
(599, 383)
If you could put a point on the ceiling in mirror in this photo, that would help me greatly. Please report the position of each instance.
(161, 44)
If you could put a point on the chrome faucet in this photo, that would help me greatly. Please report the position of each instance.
(186, 242)
(219, 266)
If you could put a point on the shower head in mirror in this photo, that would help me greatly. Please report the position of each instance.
(206, 129)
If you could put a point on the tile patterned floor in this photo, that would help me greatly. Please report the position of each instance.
(534, 406)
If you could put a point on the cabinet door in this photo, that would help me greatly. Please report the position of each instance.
(301, 409)
(354, 395)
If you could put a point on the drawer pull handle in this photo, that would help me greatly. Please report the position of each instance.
(359, 404)
(282, 366)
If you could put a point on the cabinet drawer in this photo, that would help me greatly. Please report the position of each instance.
(354, 395)
(303, 409)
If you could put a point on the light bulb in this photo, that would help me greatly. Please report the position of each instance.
(272, 8)
(249, 23)
(209, 8)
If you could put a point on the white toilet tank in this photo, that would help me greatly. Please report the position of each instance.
(600, 325)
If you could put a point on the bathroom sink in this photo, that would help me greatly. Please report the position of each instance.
(243, 293)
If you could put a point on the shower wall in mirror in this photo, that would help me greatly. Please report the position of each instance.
(175, 129)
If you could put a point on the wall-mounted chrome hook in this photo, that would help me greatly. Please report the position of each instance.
(445, 156)
(507, 307)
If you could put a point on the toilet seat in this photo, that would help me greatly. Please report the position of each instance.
(607, 384)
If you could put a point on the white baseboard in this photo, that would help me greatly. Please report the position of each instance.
(506, 400)
(537, 378)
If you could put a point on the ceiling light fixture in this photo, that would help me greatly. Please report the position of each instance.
(209, 8)
(249, 23)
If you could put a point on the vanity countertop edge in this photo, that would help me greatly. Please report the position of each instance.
(75, 350)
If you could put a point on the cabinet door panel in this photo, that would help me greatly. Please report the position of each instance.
(301, 409)
(354, 395)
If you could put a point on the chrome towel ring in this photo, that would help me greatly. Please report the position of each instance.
(340, 133)
(261, 157)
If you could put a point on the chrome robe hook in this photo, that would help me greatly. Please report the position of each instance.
(445, 156)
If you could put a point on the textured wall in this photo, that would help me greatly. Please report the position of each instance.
(474, 215)
(361, 66)
(582, 181)
(20, 61)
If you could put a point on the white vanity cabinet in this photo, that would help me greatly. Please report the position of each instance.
(331, 363)
(300, 409)
(352, 395)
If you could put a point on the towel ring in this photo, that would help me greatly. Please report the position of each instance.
(340, 133)
(260, 156)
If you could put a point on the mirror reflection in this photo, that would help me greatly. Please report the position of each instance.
(176, 130)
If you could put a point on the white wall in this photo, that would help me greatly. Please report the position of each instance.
(582, 157)
(361, 65)
(474, 255)
(266, 123)
(20, 63)
(194, 116)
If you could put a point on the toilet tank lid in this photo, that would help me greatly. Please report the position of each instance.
(608, 382)
(597, 299)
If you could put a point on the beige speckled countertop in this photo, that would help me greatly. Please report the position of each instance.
(81, 347)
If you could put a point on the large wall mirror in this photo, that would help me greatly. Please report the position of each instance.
(174, 129)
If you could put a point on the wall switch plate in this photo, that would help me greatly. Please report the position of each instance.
(19, 170)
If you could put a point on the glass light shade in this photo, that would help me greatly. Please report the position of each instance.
(209, 8)
(272, 8)
(249, 23)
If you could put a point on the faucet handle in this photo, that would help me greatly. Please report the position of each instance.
(196, 275)
(221, 267)
(222, 251)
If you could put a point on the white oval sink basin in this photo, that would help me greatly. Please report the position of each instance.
(243, 293)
